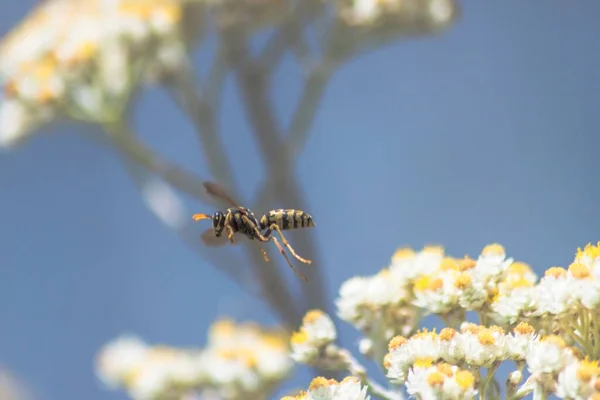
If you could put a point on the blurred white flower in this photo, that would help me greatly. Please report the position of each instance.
(83, 59)
(239, 361)
(164, 203)
(321, 388)
(312, 340)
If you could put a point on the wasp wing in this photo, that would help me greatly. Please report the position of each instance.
(217, 191)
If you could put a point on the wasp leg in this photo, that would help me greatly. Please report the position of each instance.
(282, 251)
(229, 233)
(249, 223)
(286, 243)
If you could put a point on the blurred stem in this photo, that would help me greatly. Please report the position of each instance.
(277, 295)
(253, 83)
(201, 110)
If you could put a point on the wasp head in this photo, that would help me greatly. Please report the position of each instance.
(218, 220)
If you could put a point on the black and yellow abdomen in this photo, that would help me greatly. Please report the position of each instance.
(286, 219)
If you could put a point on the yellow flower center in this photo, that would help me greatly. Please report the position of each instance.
(518, 268)
(556, 272)
(403, 253)
(587, 370)
(428, 282)
(463, 281)
(486, 338)
(589, 251)
(465, 380)
(435, 379)
(448, 264)
(579, 271)
(523, 328)
(312, 316)
(423, 362)
(447, 334)
(466, 264)
(445, 369)
(471, 328)
(319, 382)
(299, 337)
(433, 249)
(396, 342)
(494, 249)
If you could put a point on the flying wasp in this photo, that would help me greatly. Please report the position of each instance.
(242, 220)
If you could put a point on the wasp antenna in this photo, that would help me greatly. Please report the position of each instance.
(198, 217)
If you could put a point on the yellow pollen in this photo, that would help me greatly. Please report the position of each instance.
(424, 333)
(466, 264)
(447, 334)
(471, 328)
(523, 328)
(493, 294)
(486, 338)
(312, 316)
(579, 271)
(423, 362)
(318, 382)
(587, 370)
(223, 327)
(445, 369)
(496, 329)
(554, 339)
(463, 281)
(387, 361)
(403, 253)
(299, 337)
(519, 282)
(589, 250)
(433, 249)
(556, 272)
(518, 268)
(435, 284)
(448, 264)
(493, 249)
(435, 379)
(422, 283)
(396, 342)
(465, 379)
(289, 398)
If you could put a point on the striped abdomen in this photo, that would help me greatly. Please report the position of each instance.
(286, 219)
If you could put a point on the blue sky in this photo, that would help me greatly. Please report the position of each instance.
(487, 133)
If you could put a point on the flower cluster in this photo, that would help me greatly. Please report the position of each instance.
(83, 59)
(321, 388)
(238, 362)
(549, 329)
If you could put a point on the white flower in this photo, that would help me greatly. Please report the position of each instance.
(119, 358)
(575, 381)
(546, 355)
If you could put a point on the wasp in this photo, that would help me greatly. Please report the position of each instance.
(242, 221)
